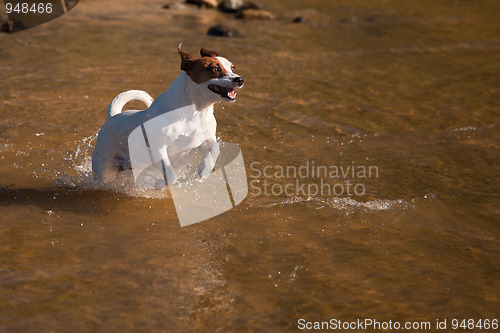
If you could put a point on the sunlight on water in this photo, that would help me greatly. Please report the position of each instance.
(347, 203)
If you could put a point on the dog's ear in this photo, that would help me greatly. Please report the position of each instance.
(206, 53)
(187, 60)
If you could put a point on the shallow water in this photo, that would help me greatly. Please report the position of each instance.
(410, 88)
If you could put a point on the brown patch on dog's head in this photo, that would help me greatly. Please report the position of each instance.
(202, 69)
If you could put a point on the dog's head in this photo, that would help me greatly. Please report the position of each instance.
(212, 74)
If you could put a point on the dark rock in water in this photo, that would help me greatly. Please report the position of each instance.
(223, 31)
(255, 14)
(2, 22)
(230, 6)
(175, 5)
(204, 3)
(10, 26)
(299, 19)
(235, 6)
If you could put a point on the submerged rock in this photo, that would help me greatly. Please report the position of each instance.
(204, 3)
(255, 14)
(10, 26)
(235, 6)
(230, 6)
(222, 31)
(299, 19)
(175, 5)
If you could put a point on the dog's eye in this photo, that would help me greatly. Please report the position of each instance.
(215, 69)
(233, 68)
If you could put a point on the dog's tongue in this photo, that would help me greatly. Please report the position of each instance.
(231, 93)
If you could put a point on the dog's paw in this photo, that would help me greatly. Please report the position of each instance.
(206, 166)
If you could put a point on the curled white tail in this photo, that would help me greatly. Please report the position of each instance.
(116, 106)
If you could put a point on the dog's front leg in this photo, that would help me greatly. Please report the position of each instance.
(208, 163)
(168, 170)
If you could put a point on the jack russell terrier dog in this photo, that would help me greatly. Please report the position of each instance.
(190, 100)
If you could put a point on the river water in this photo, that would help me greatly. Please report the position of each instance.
(396, 100)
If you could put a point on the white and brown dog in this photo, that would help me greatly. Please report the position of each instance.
(190, 103)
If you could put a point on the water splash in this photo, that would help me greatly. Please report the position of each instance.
(347, 203)
(80, 159)
(78, 174)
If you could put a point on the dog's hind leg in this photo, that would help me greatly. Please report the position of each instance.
(106, 169)
(104, 163)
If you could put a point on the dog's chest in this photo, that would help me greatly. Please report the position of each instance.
(189, 133)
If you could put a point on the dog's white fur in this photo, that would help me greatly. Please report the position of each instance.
(194, 127)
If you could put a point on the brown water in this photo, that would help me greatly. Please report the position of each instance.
(408, 87)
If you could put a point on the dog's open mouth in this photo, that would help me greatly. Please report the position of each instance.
(224, 92)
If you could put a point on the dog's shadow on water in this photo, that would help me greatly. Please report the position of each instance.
(76, 200)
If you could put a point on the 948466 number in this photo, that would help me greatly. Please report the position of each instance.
(26, 8)
(471, 324)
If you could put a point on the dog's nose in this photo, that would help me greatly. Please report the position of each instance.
(239, 80)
